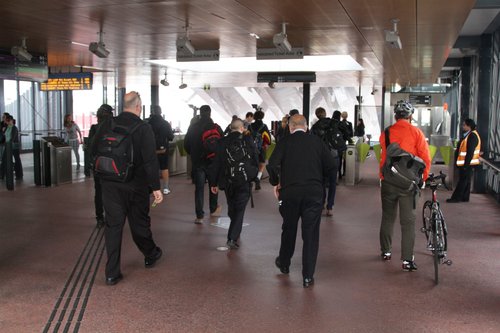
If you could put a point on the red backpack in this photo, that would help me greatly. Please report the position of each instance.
(209, 139)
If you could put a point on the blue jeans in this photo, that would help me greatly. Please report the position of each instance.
(200, 176)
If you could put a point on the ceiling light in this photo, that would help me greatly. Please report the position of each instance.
(392, 36)
(164, 81)
(21, 52)
(98, 48)
(183, 85)
(280, 40)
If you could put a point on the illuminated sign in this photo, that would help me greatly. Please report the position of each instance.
(420, 99)
(68, 81)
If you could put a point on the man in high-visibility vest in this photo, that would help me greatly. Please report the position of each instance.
(467, 157)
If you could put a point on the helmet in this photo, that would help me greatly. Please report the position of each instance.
(403, 109)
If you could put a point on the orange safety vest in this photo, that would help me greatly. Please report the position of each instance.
(463, 151)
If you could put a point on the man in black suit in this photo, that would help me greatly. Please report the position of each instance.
(297, 169)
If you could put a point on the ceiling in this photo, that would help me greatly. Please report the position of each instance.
(136, 31)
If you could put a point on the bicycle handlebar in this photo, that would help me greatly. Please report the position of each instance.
(434, 178)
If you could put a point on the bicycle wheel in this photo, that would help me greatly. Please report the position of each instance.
(426, 219)
(435, 247)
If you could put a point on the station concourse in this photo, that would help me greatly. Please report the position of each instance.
(52, 260)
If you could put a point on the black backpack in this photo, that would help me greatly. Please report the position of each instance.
(114, 156)
(209, 139)
(240, 166)
(402, 169)
(335, 137)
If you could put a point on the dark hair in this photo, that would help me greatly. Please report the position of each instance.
(471, 123)
(336, 114)
(249, 114)
(293, 112)
(156, 110)
(320, 112)
(205, 111)
(104, 112)
(258, 115)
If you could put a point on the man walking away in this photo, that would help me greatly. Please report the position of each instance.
(297, 169)
(104, 112)
(412, 140)
(234, 167)
(467, 158)
(196, 147)
(163, 135)
(130, 199)
(322, 128)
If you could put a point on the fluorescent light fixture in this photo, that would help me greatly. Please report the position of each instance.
(251, 64)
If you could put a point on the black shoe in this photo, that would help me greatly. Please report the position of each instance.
(100, 222)
(451, 200)
(257, 185)
(111, 281)
(409, 266)
(308, 282)
(232, 244)
(386, 256)
(284, 269)
(151, 261)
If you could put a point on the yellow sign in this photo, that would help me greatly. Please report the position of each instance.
(68, 81)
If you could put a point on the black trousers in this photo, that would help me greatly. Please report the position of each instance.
(462, 191)
(199, 175)
(237, 200)
(99, 208)
(305, 203)
(124, 201)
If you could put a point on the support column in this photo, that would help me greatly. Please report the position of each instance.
(483, 106)
(121, 93)
(306, 101)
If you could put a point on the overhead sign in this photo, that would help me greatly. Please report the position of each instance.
(420, 99)
(274, 53)
(68, 81)
(199, 55)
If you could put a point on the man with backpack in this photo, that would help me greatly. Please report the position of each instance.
(163, 135)
(326, 132)
(410, 140)
(104, 112)
(234, 167)
(126, 144)
(200, 143)
(340, 127)
(262, 139)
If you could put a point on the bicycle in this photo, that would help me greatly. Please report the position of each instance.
(434, 226)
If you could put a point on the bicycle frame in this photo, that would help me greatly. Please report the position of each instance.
(434, 226)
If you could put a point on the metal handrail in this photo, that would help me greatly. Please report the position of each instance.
(489, 164)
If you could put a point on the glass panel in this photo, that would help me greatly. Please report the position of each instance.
(85, 105)
(25, 115)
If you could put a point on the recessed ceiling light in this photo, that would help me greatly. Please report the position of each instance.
(251, 64)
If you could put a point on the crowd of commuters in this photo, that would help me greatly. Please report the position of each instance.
(302, 169)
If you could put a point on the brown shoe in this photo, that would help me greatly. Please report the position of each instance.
(217, 212)
(329, 212)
